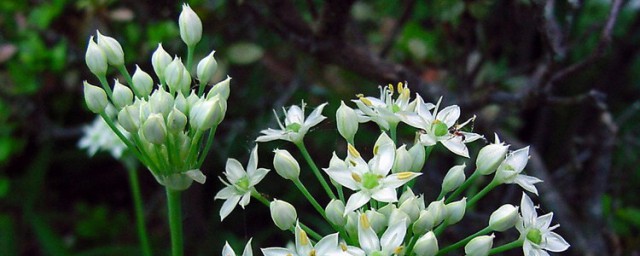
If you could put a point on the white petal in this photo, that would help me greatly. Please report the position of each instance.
(543, 222)
(367, 237)
(315, 117)
(471, 137)
(257, 176)
(394, 236)
(456, 146)
(413, 119)
(356, 201)
(277, 251)
(386, 152)
(234, 170)
(196, 175)
(245, 199)
(271, 135)
(527, 210)
(518, 159)
(253, 161)
(227, 250)
(225, 193)
(342, 176)
(393, 180)
(427, 139)
(228, 206)
(386, 195)
(247, 249)
(449, 115)
(294, 115)
(327, 244)
(527, 182)
(554, 243)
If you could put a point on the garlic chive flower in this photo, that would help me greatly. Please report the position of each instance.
(328, 245)
(95, 97)
(535, 231)
(347, 121)
(240, 183)
(490, 157)
(441, 126)
(112, 49)
(385, 111)
(160, 59)
(98, 136)
(283, 214)
(390, 243)
(479, 246)
(190, 26)
(509, 171)
(96, 59)
(372, 179)
(228, 251)
(295, 124)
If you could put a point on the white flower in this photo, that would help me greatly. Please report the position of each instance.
(372, 179)
(440, 126)
(295, 125)
(98, 136)
(384, 111)
(538, 236)
(240, 183)
(390, 243)
(509, 171)
(228, 251)
(328, 245)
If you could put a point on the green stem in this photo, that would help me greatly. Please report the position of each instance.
(309, 197)
(463, 241)
(175, 221)
(438, 231)
(132, 148)
(207, 147)
(193, 149)
(123, 70)
(506, 247)
(463, 187)
(411, 245)
(106, 87)
(482, 193)
(137, 206)
(260, 198)
(393, 129)
(441, 195)
(190, 60)
(315, 169)
(310, 232)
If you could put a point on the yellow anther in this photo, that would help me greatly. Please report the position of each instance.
(364, 221)
(391, 88)
(312, 252)
(366, 101)
(359, 95)
(304, 240)
(353, 163)
(353, 151)
(404, 175)
(398, 250)
(343, 247)
(356, 177)
(400, 87)
(375, 149)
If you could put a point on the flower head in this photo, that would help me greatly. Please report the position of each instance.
(385, 111)
(328, 245)
(295, 124)
(240, 183)
(538, 236)
(509, 171)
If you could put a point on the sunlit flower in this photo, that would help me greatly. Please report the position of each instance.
(240, 183)
(509, 171)
(535, 231)
(385, 110)
(441, 126)
(295, 125)
(372, 179)
(228, 251)
(328, 245)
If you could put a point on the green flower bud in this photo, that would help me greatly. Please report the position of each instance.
(454, 178)
(377, 220)
(347, 122)
(96, 59)
(455, 211)
(95, 97)
(396, 216)
(479, 246)
(424, 223)
(427, 245)
(154, 129)
(504, 218)
(181, 104)
(283, 214)
(207, 68)
(490, 157)
(176, 121)
(286, 166)
(411, 207)
(122, 95)
(129, 118)
(418, 157)
(161, 102)
(173, 75)
(403, 160)
(190, 26)
(221, 88)
(112, 49)
(192, 100)
(142, 82)
(185, 82)
(160, 60)
(176, 181)
(335, 212)
(207, 114)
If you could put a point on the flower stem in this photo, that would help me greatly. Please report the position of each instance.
(482, 193)
(309, 197)
(129, 163)
(315, 169)
(463, 187)
(123, 70)
(106, 87)
(393, 129)
(260, 198)
(506, 247)
(207, 147)
(190, 60)
(175, 221)
(463, 241)
(310, 231)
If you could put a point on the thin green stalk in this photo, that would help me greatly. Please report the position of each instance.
(260, 198)
(315, 169)
(193, 149)
(309, 197)
(266, 202)
(310, 232)
(441, 195)
(137, 206)
(463, 241)
(482, 193)
(207, 147)
(463, 187)
(132, 148)
(106, 87)
(411, 245)
(175, 221)
(506, 247)
(393, 130)
(123, 70)
(190, 50)
(438, 231)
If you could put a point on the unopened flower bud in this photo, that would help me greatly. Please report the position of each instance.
(180, 102)
(96, 59)
(112, 49)
(207, 68)
(221, 88)
(95, 97)
(406, 195)
(122, 95)
(284, 215)
(176, 121)
(174, 74)
(377, 220)
(455, 211)
(490, 157)
(208, 113)
(396, 216)
(142, 82)
(427, 245)
(190, 26)
(185, 83)
(160, 60)
(403, 160)
(161, 102)
(411, 207)
(479, 246)
(154, 129)
(335, 212)
(286, 165)
(438, 210)
(347, 122)
(418, 157)
(129, 118)
(503, 218)
(192, 101)
(454, 178)
(424, 223)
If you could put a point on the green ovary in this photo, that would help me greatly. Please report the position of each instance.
(243, 184)
(370, 180)
(534, 236)
(440, 128)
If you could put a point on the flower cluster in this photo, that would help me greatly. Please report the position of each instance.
(165, 123)
(364, 209)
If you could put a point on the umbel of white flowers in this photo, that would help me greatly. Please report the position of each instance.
(169, 125)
